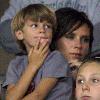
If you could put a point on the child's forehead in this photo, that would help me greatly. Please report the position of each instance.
(88, 72)
(90, 66)
(36, 21)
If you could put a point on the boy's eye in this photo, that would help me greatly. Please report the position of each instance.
(70, 36)
(47, 26)
(34, 25)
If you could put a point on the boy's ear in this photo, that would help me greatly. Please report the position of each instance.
(19, 35)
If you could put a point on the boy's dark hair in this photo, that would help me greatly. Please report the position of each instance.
(33, 12)
(68, 20)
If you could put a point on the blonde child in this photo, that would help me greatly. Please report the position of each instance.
(38, 74)
(88, 79)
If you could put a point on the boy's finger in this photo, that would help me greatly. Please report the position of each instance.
(30, 52)
(36, 46)
(43, 45)
(46, 48)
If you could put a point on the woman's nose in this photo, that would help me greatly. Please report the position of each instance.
(77, 43)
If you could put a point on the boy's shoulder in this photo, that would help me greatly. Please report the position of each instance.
(18, 57)
(18, 64)
(18, 60)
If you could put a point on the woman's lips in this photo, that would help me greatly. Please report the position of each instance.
(76, 55)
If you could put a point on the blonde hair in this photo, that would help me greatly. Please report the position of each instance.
(34, 12)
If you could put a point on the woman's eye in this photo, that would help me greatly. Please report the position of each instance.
(70, 36)
(85, 39)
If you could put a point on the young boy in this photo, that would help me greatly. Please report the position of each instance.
(88, 79)
(42, 71)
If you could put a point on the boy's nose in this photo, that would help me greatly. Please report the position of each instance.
(85, 87)
(42, 30)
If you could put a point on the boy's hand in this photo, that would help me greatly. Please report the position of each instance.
(38, 54)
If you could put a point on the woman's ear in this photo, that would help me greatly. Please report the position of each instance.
(19, 35)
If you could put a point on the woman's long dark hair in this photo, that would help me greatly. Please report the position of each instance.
(68, 20)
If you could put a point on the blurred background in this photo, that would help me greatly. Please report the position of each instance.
(3, 5)
(4, 56)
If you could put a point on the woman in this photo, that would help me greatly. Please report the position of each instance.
(74, 35)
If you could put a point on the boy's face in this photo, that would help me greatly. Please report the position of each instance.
(33, 32)
(75, 45)
(88, 82)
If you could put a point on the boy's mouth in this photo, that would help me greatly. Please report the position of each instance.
(44, 39)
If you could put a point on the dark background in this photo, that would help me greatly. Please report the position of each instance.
(3, 5)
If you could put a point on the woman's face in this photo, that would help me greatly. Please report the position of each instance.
(75, 45)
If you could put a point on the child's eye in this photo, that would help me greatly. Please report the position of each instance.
(95, 80)
(47, 26)
(70, 36)
(80, 81)
(34, 26)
